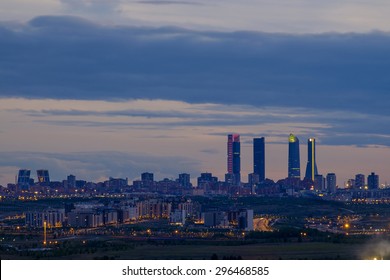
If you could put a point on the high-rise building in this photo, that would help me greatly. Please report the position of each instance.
(294, 164)
(233, 157)
(206, 179)
(147, 177)
(147, 181)
(259, 158)
(319, 182)
(71, 179)
(24, 179)
(43, 177)
(253, 179)
(331, 183)
(373, 181)
(360, 181)
(311, 167)
(184, 180)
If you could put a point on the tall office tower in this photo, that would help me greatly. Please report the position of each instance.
(331, 183)
(294, 163)
(43, 177)
(373, 181)
(360, 181)
(259, 158)
(233, 157)
(24, 179)
(311, 167)
(184, 180)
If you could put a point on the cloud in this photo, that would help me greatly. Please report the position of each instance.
(330, 126)
(330, 86)
(94, 6)
(64, 57)
(260, 15)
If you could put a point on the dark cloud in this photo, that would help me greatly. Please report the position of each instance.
(95, 165)
(339, 80)
(155, 124)
(63, 57)
(132, 113)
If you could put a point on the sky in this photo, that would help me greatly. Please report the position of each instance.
(115, 88)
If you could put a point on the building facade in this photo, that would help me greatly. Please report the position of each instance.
(360, 181)
(311, 167)
(259, 157)
(294, 164)
(331, 182)
(233, 157)
(185, 180)
(43, 177)
(24, 179)
(373, 181)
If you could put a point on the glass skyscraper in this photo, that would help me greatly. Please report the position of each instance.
(24, 179)
(294, 163)
(259, 158)
(233, 157)
(311, 167)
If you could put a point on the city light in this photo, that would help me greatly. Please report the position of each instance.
(227, 210)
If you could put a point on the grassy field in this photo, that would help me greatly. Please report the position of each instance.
(247, 252)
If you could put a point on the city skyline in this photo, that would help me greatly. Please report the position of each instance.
(115, 89)
(233, 175)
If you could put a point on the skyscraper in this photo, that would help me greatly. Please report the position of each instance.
(294, 163)
(259, 158)
(311, 167)
(233, 157)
